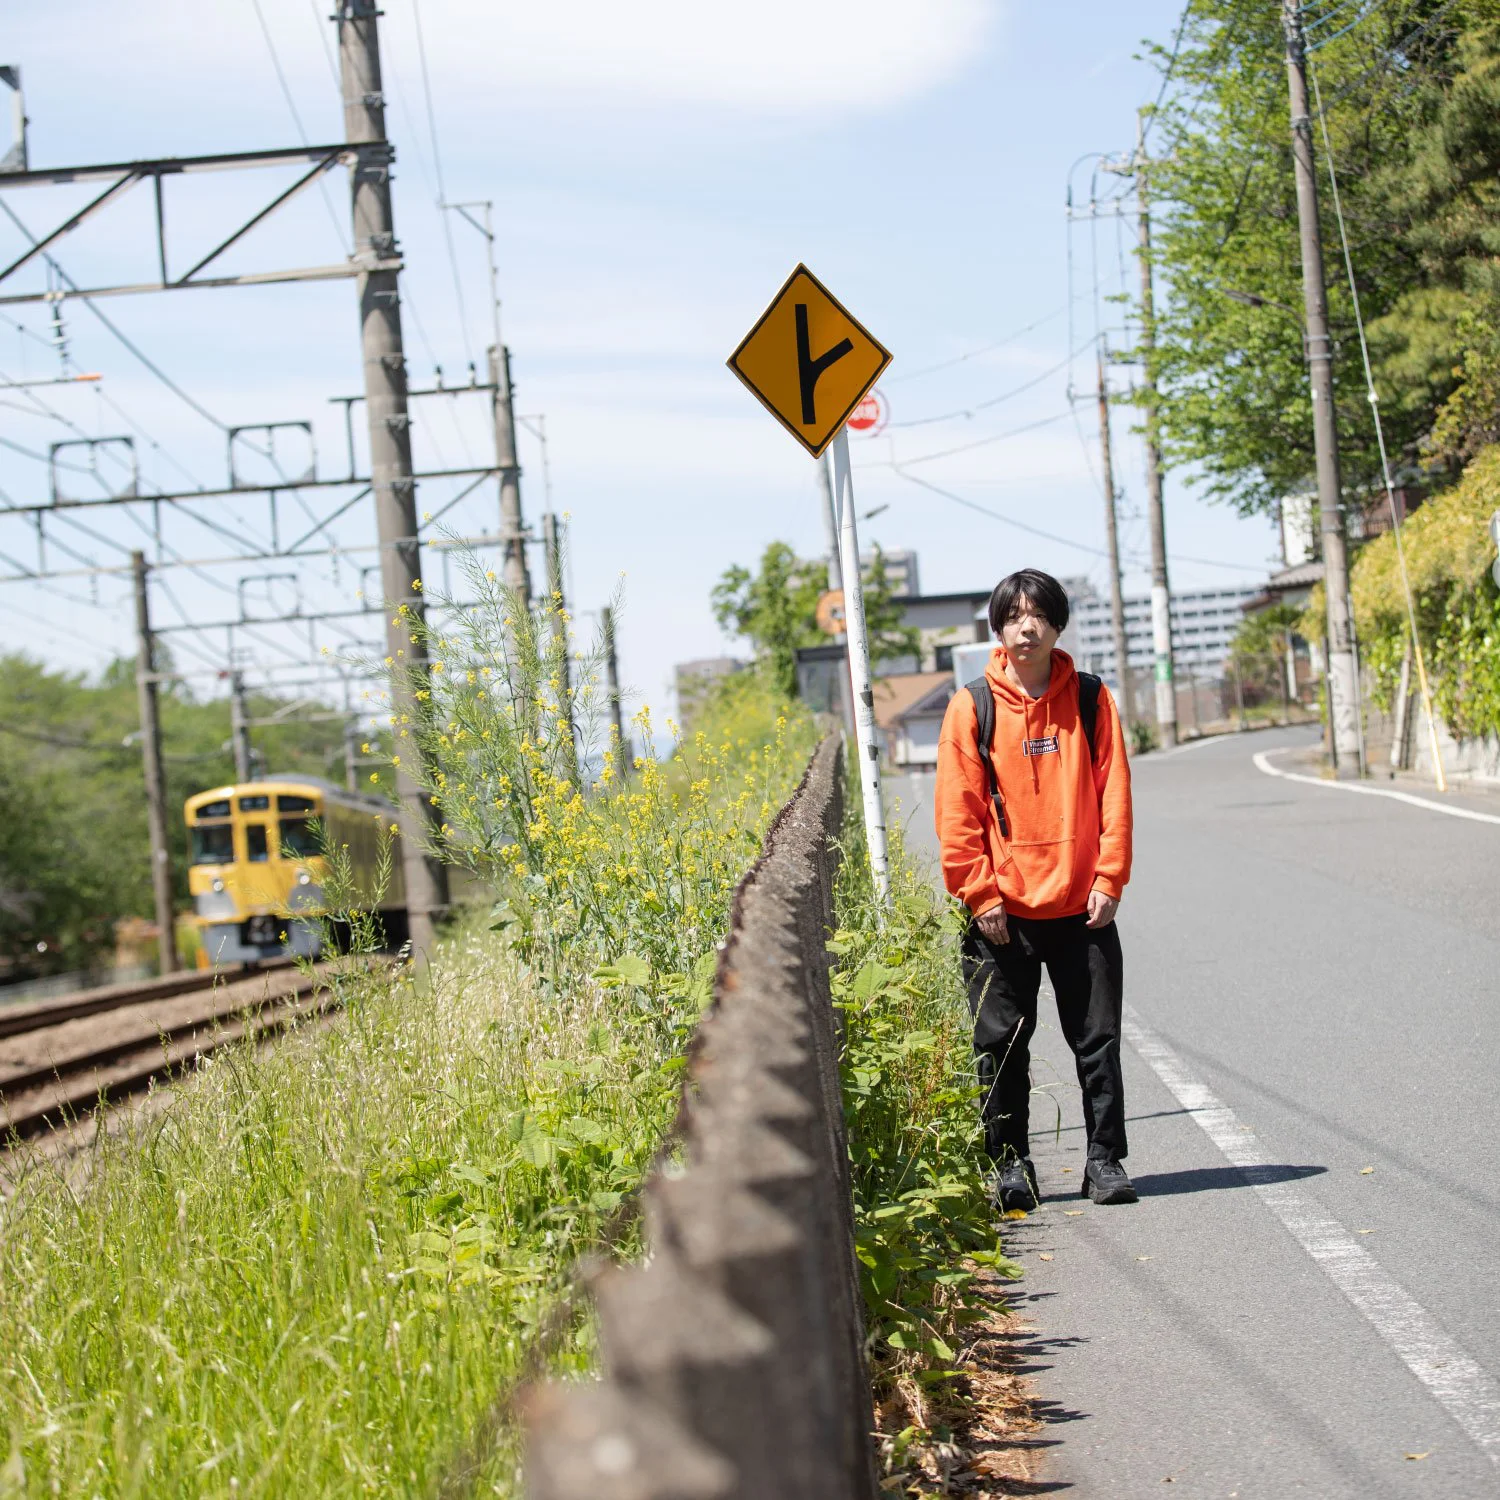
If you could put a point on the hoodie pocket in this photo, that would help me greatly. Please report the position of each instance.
(1043, 873)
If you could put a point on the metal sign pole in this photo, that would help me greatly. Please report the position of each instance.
(859, 671)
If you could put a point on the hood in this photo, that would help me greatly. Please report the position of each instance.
(1011, 697)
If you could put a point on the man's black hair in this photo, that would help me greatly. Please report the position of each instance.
(1041, 590)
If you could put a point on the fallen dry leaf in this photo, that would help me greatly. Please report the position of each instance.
(1044, 1257)
(1365, 1171)
(1366, 1231)
(1143, 1257)
(1072, 1213)
(1417, 1457)
(1069, 1169)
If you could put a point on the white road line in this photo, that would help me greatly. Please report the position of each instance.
(1263, 763)
(1469, 1394)
(1198, 744)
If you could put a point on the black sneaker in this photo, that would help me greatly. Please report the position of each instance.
(1106, 1181)
(1014, 1187)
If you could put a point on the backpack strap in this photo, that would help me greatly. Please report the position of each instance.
(984, 725)
(1088, 708)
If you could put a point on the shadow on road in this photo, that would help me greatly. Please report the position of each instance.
(1209, 1179)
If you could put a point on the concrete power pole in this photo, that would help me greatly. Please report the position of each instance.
(239, 728)
(515, 573)
(612, 687)
(557, 604)
(156, 790)
(1112, 536)
(1343, 679)
(1161, 594)
(390, 431)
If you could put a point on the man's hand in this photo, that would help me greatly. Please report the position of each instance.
(992, 925)
(1102, 909)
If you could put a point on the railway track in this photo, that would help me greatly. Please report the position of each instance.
(60, 1058)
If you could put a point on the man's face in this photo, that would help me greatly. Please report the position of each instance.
(1028, 636)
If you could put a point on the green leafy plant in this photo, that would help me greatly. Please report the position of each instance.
(923, 1223)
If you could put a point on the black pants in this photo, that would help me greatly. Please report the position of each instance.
(1087, 971)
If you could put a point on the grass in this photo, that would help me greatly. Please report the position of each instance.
(312, 1272)
(929, 1253)
(315, 1268)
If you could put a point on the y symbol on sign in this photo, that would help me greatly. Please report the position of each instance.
(808, 368)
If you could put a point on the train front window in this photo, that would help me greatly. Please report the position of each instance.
(213, 843)
(255, 804)
(256, 849)
(299, 839)
(289, 804)
(214, 809)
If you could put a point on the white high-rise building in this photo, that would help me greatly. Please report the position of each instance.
(1204, 622)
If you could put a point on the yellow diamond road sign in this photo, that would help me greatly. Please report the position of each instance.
(808, 361)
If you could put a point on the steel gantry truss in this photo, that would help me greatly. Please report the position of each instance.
(120, 177)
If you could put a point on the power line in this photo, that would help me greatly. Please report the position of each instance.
(1052, 536)
(997, 437)
(958, 359)
(1166, 77)
(969, 411)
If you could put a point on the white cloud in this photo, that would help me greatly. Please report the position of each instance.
(801, 58)
(791, 59)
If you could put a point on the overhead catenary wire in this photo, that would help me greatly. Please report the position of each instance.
(437, 167)
(340, 228)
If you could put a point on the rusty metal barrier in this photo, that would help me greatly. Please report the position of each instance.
(734, 1364)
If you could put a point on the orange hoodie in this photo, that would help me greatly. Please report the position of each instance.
(1069, 818)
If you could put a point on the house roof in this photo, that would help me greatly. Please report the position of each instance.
(898, 695)
(1304, 575)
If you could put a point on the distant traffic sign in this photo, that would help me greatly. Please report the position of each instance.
(808, 361)
(871, 415)
(830, 612)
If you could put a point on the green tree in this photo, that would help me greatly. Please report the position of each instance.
(1410, 94)
(775, 609)
(1258, 653)
(74, 848)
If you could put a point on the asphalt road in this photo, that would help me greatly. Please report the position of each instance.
(1306, 1300)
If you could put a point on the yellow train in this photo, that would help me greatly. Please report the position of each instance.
(257, 870)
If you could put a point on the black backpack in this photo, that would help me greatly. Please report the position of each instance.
(984, 713)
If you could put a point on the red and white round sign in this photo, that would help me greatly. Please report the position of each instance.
(870, 416)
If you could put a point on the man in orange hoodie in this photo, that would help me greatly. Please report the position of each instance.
(1039, 854)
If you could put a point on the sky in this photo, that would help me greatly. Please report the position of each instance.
(656, 171)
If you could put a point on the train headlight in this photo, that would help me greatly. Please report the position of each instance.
(218, 885)
(303, 878)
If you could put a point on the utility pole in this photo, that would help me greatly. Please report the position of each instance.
(1343, 680)
(239, 728)
(612, 687)
(156, 790)
(1112, 536)
(557, 605)
(862, 687)
(390, 433)
(830, 526)
(1161, 595)
(512, 523)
